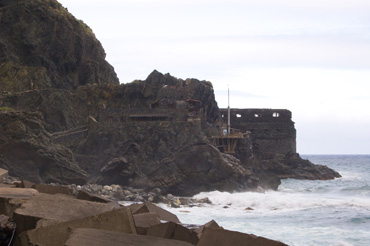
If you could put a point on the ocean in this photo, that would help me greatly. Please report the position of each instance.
(301, 212)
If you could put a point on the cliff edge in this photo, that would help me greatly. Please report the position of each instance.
(43, 46)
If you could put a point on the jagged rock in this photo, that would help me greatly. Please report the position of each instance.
(42, 45)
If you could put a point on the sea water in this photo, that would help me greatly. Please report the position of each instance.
(301, 212)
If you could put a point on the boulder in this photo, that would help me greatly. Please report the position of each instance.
(221, 237)
(95, 237)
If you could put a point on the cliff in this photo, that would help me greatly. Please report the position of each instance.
(72, 122)
(43, 46)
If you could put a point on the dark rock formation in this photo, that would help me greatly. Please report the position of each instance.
(63, 111)
(44, 46)
(27, 151)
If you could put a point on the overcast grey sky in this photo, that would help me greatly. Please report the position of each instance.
(309, 56)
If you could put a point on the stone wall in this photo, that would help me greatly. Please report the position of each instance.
(272, 130)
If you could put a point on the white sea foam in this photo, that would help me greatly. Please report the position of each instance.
(302, 212)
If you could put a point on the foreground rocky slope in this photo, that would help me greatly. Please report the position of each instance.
(51, 215)
(65, 118)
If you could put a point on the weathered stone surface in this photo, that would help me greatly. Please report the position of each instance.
(83, 195)
(212, 224)
(185, 234)
(45, 209)
(171, 230)
(13, 198)
(17, 193)
(27, 151)
(163, 230)
(137, 208)
(50, 48)
(221, 237)
(144, 221)
(52, 189)
(162, 213)
(99, 237)
(117, 220)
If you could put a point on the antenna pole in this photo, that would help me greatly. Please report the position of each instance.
(228, 110)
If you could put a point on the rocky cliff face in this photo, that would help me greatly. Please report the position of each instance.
(27, 151)
(44, 46)
(64, 118)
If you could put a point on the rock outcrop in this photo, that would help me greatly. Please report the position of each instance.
(27, 151)
(43, 46)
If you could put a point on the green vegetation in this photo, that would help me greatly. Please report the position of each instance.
(86, 28)
(5, 109)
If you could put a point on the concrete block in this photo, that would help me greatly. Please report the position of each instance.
(184, 234)
(52, 189)
(45, 209)
(93, 237)
(13, 198)
(17, 193)
(163, 230)
(171, 230)
(119, 220)
(144, 221)
(163, 214)
(83, 195)
(211, 224)
(221, 237)
(137, 208)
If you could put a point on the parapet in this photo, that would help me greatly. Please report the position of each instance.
(251, 115)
